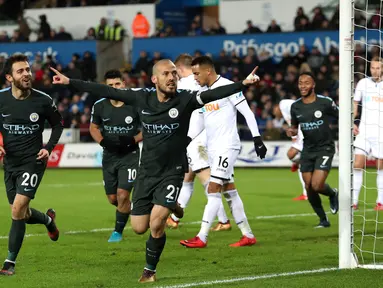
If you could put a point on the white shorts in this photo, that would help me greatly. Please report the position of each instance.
(222, 165)
(197, 153)
(368, 145)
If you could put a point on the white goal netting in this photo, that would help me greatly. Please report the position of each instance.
(367, 180)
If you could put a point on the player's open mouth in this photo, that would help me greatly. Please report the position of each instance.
(171, 85)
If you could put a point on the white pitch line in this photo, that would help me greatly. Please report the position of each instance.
(249, 278)
(185, 223)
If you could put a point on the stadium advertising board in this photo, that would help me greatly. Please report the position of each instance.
(275, 43)
(61, 51)
(89, 155)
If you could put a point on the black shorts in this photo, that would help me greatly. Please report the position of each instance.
(23, 179)
(319, 160)
(149, 191)
(120, 172)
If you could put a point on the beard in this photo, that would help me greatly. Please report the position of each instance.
(22, 85)
(167, 91)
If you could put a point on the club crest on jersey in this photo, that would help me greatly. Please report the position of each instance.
(128, 120)
(318, 114)
(173, 113)
(34, 117)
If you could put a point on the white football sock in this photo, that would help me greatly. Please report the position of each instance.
(302, 182)
(357, 185)
(222, 216)
(238, 212)
(379, 182)
(185, 196)
(186, 193)
(209, 214)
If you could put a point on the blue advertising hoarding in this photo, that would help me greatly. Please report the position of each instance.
(61, 51)
(276, 43)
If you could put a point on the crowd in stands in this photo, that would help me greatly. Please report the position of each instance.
(279, 80)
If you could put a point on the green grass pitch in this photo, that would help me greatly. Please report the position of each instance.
(287, 241)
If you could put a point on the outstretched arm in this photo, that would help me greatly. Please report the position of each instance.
(128, 96)
(207, 96)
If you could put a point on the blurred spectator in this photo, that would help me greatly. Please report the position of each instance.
(91, 34)
(298, 23)
(195, 29)
(25, 31)
(251, 29)
(143, 63)
(45, 28)
(140, 26)
(334, 23)
(316, 59)
(318, 18)
(4, 37)
(217, 29)
(17, 37)
(116, 32)
(62, 35)
(274, 27)
(77, 104)
(102, 30)
(88, 67)
(73, 72)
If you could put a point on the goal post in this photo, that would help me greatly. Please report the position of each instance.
(346, 62)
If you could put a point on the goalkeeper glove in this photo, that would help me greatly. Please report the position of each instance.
(260, 148)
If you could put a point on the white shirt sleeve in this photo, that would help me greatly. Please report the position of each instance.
(237, 98)
(245, 110)
(197, 124)
(360, 87)
(285, 106)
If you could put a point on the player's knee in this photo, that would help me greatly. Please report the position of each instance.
(317, 186)
(214, 187)
(123, 195)
(139, 228)
(113, 200)
(189, 177)
(19, 212)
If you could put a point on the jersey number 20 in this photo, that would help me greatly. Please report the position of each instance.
(32, 179)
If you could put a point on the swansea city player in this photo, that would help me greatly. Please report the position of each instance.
(196, 151)
(220, 121)
(294, 153)
(24, 111)
(313, 113)
(165, 114)
(114, 126)
(369, 133)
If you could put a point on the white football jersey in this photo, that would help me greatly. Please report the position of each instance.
(370, 93)
(285, 106)
(220, 119)
(188, 83)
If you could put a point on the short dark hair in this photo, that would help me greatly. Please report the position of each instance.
(184, 59)
(11, 60)
(308, 74)
(203, 60)
(112, 74)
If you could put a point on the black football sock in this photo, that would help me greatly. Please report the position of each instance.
(121, 220)
(154, 248)
(38, 217)
(316, 203)
(327, 191)
(15, 240)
